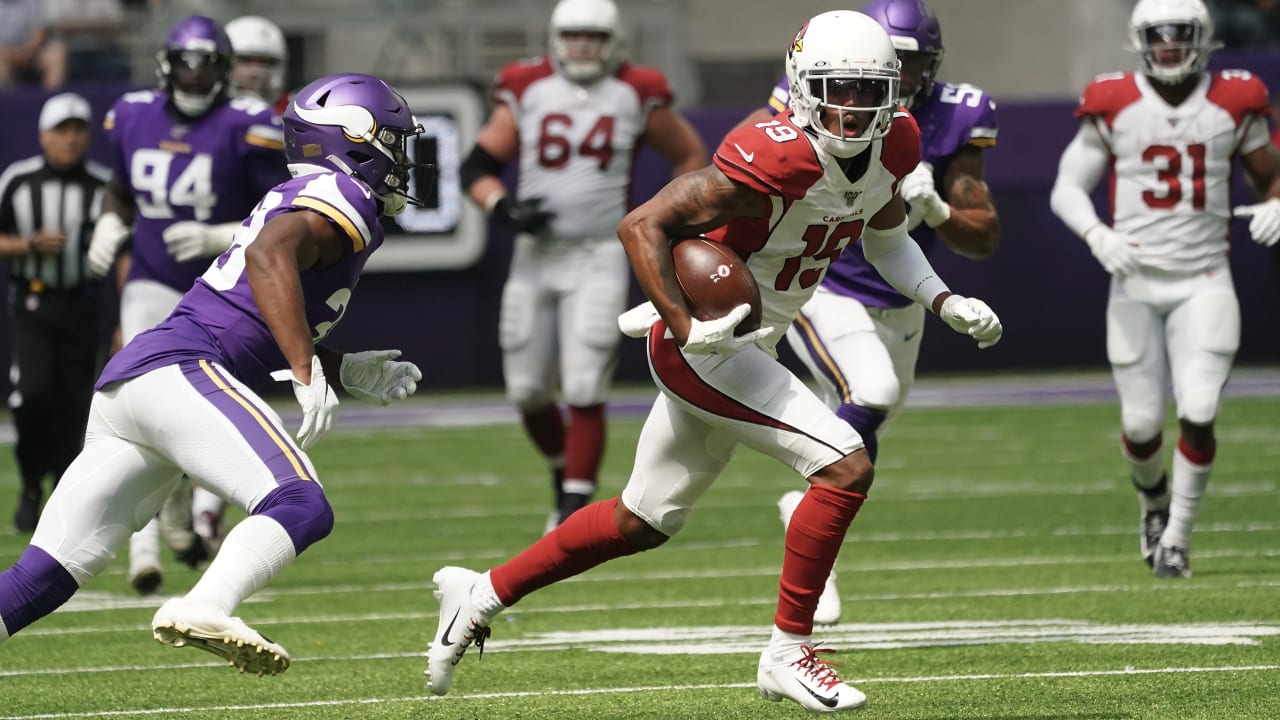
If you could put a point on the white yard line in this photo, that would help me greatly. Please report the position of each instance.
(413, 699)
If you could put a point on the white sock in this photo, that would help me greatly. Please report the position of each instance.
(144, 547)
(1189, 482)
(1146, 473)
(485, 599)
(203, 501)
(787, 505)
(783, 644)
(577, 487)
(254, 551)
(4, 632)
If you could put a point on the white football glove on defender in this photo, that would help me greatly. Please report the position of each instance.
(715, 337)
(374, 375)
(972, 317)
(1116, 252)
(637, 321)
(1264, 224)
(109, 234)
(188, 240)
(318, 401)
(918, 190)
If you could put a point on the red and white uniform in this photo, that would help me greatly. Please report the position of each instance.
(566, 287)
(1176, 320)
(578, 142)
(1171, 165)
(712, 403)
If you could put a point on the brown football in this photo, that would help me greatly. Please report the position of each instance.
(714, 280)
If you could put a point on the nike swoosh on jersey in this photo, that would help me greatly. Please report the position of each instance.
(444, 637)
(826, 701)
(748, 156)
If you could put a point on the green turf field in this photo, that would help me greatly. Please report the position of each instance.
(993, 574)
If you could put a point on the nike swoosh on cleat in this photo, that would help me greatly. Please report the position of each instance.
(444, 637)
(826, 701)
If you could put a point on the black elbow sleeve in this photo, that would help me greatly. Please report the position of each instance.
(477, 165)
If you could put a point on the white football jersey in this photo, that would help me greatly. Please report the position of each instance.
(817, 211)
(1171, 165)
(578, 142)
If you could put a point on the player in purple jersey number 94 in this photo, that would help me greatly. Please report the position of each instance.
(180, 399)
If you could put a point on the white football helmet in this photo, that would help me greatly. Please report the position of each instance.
(1173, 38)
(843, 61)
(590, 60)
(261, 55)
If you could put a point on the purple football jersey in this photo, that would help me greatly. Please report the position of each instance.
(211, 169)
(952, 117)
(218, 320)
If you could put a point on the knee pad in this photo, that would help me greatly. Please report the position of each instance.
(1199, 404)
(527, 399)
(879, 392)
(1142, 422)
(301, 509)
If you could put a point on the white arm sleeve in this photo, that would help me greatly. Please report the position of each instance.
(901, 262)
(1081, 167)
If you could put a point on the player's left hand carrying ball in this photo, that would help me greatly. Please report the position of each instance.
(1264, 223)
(715, 337)
(918, 190)
(972, 317)
(374, 375)
(318, 401)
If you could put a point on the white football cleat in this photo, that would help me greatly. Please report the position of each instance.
(459, 626)
(145, 574)
(828, 610)
(181, 623)
(807, 680)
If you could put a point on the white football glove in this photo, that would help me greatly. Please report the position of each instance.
(715, 337)
(918, 190)
(972, 317)
(188, 240)
(374, 375)
(1116, 252)
(637, 321)
(1264, 224)
(109, 234)
(318, 401)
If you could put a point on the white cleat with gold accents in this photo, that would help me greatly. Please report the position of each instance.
(181, 623)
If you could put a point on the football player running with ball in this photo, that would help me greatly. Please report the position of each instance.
(858, 336)
(788, 196)
(575, 120)
(1168, 135)
(180, 399)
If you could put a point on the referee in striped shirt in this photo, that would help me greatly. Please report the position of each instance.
(48, 205)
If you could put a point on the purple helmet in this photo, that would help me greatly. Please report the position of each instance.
(194, 64)
(357, 125)
(917, 36)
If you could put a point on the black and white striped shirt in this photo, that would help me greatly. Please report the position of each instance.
(35, 196)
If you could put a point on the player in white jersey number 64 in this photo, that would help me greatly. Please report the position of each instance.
(1168, 134)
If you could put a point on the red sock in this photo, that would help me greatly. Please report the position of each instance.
(586, 539)
(814, 536)
(584, 443)
(545, 427)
